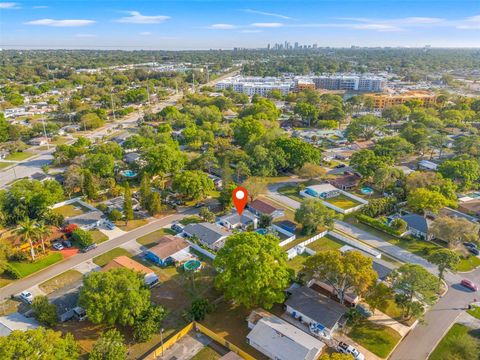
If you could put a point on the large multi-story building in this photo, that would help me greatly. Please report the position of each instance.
(382, 101)
(263, 86)
(349, 82)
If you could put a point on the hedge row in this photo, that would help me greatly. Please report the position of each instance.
(377, 224)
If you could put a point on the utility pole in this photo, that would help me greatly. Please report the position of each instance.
(113, 106)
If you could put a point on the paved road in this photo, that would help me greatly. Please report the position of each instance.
(48, 273)
(421, 341)
(26, 168)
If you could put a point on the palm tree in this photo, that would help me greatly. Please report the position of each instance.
(27, 232)
(42, 231)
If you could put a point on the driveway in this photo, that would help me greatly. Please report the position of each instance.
(56, 269)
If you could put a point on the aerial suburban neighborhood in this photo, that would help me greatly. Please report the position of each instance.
(250, 198)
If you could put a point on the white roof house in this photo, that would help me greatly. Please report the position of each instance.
(16, 321)
(277, 339)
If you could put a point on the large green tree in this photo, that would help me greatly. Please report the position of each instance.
(109, 346)
(39, 344)
(364, 127)
(312, 214)
(193, 184)
(117, 296)
(45, 312)
(348, 271)
(252, 270)
(444, 259)
(421, 200)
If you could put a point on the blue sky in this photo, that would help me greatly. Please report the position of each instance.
(206, 24)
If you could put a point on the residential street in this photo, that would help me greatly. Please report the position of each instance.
(41, 276)
(421, 341)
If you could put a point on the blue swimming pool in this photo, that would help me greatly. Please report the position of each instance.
(129, 173)
(366, 190)
(262, 231)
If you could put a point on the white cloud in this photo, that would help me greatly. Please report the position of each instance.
(85, 35)
(267, 25)
(60, 23)
(222, 26)
(280, 16)
(419, 20)
(145, 33)
(9, 5)
(470, 23)
(137, 18)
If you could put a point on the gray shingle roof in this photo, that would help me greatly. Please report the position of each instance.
(416, 222)
(206, 232)
(316, 306)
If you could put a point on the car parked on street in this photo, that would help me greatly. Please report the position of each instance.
(26, 296)
(344, 348)
(89, 247)
(469, 284)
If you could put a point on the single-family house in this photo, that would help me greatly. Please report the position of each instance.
(87, 221)
(169, 250)
(16, 321)
(361, 145)
(261, 207)
(417, 226)
(471, 207)
(279, 340)
(38, 141)
(316, 310)
(132, 158)
(346, 182)
(125, 262)
(210, 235)
(237, 221)
(427, 165)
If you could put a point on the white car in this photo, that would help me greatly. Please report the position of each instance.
(344, 348)
(26, 296)
(57, 246)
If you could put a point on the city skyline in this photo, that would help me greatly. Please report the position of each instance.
(212, 24)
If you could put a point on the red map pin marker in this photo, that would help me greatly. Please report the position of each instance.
(240, 198)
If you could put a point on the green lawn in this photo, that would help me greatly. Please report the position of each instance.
(325, 243)
(71, 210)
(104, 259)
(207, 353)
(468, 264)
(395, 312)
(291, 192)
(27, 268)
(59, 281)
(450, 347)
(132, 224)
(343, 202)
(475, 312)
(19, 156)
(378, 339)
(98, 236)
(150, 240)
(4, 164)
(297, 262)
(190, 220)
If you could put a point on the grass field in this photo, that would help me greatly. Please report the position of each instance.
(343, 202)
(4, 164)
(71, 210)
(150, 240)
(98, 236)
(325, 243)
(475, 312)
(450, 346)
(291, 192)
(132, 224)
(207, 353)
(19, 156)
(59, 281)
(104, 259)
(27, 268)
(378, 339)
(297, 262)
(468, 264)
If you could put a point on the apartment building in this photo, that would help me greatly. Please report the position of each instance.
(382, 101)
(349, 82)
